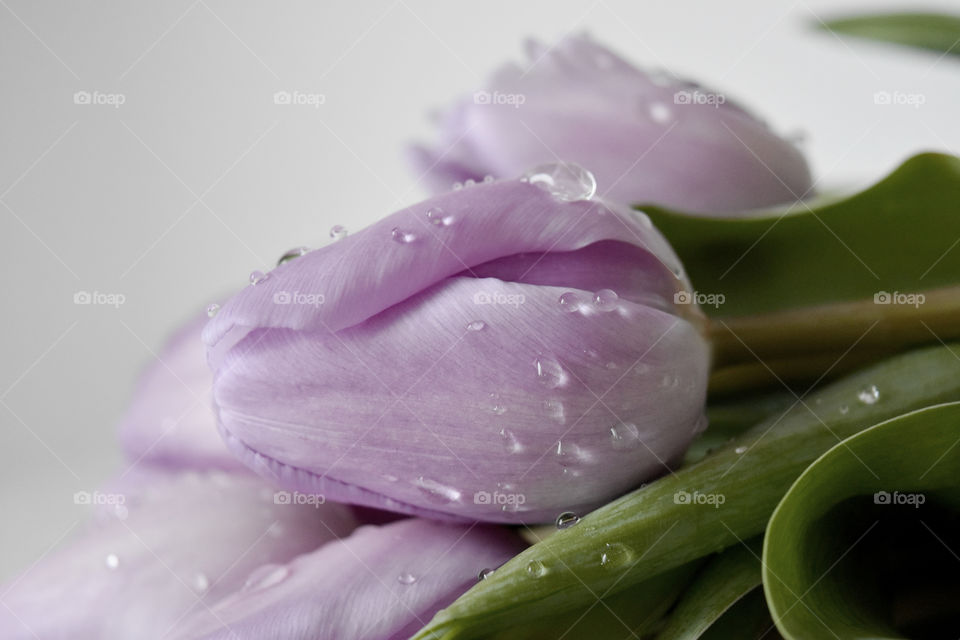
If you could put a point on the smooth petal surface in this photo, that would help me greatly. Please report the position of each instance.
(443, 376)
(381, 583)
(649, 138)
(177, 543)
(170, 420)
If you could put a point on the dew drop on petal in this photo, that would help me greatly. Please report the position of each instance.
(565, 181)
(497, 405)
(484, 574)
(438, 217)
(555, 410)
(401, 236)
(487, 179)
(457, 186)
(606, 300)
(112, 561)
(550, 373)
(266, 576)
(437, 492)
(566, 520)
(406, 578)
(292, 254)
(570, 302)
(338, 232)
(625, 435)
(510, 442)
(212, 309)
(476, 325)
(870, 395)
(469, 183)
(615, 555)
(256, 277)
(536, 569)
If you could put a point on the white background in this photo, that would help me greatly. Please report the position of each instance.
(172, 199)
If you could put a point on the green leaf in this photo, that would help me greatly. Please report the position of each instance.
(862, 545)
(747, 619)
(656, 528)
(933, 31)
(722, 583)
(895, 236)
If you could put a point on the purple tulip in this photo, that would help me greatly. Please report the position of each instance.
(380, 583)
(161, 547)
(502, 353)
(648, 139)
(170, 421)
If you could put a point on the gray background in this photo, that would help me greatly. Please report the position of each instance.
(198, 178)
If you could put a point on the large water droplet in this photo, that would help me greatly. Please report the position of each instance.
(570, 301)
(401, 236)
(550, 373)
(606, 300)
(112, 561)
(476, 325)
(567, 519)
(438, 217)
(536, 569)
(484, 574)
(266, 576)
(338, 232)
(406, 578)
(212, 309)
(292, 254)
(615, 554)
(437, 492)
(564, 181)
(256, 277)
(870, 395)
(510, 442)
(625, 435)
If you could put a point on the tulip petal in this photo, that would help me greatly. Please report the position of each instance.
(475, 399)
(170, 421)
(177, 543)
(381, 583)
(648, 138)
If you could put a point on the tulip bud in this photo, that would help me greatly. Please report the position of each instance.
(160, 546)
(381, 583)
(505, 352)
(648, 137)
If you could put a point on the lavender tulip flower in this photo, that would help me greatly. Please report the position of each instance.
(381, 583)
(502, 353)
(170, 421)
(649, 139)
(162, 546)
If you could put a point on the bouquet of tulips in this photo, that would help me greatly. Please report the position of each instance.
(625, 375)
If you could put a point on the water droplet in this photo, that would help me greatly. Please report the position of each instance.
(476, 325)
(469, 183)
(112, 561)
(669, 381)
(570, 454)
(570, 302)
(660, 113)
(292, 254)
(549, 373)
(567, 519)
(606, 300)
(256, 277)
(389, 478)
(870, 395)
(498, 407)
(437, 492)
(338, 232)
(437, 217)
(536, 569)
(555, 409)
(625, 435)
(844, 409)
(510, 442)
(406, 578)
(484, 574)
(201, 583)
(401, 236)
(615, 555)
(457, 186)
(740, 450)
(212, 309)
(266, 576)
(487, 179)
(565, 181)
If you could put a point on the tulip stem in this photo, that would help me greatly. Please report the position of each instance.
(802, 345)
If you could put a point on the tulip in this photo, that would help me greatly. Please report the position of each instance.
(162, 545)
(648, 138)
(505, 352)
(380, 583)
(170, 421)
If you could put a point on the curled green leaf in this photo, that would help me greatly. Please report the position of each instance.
(933, 31)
